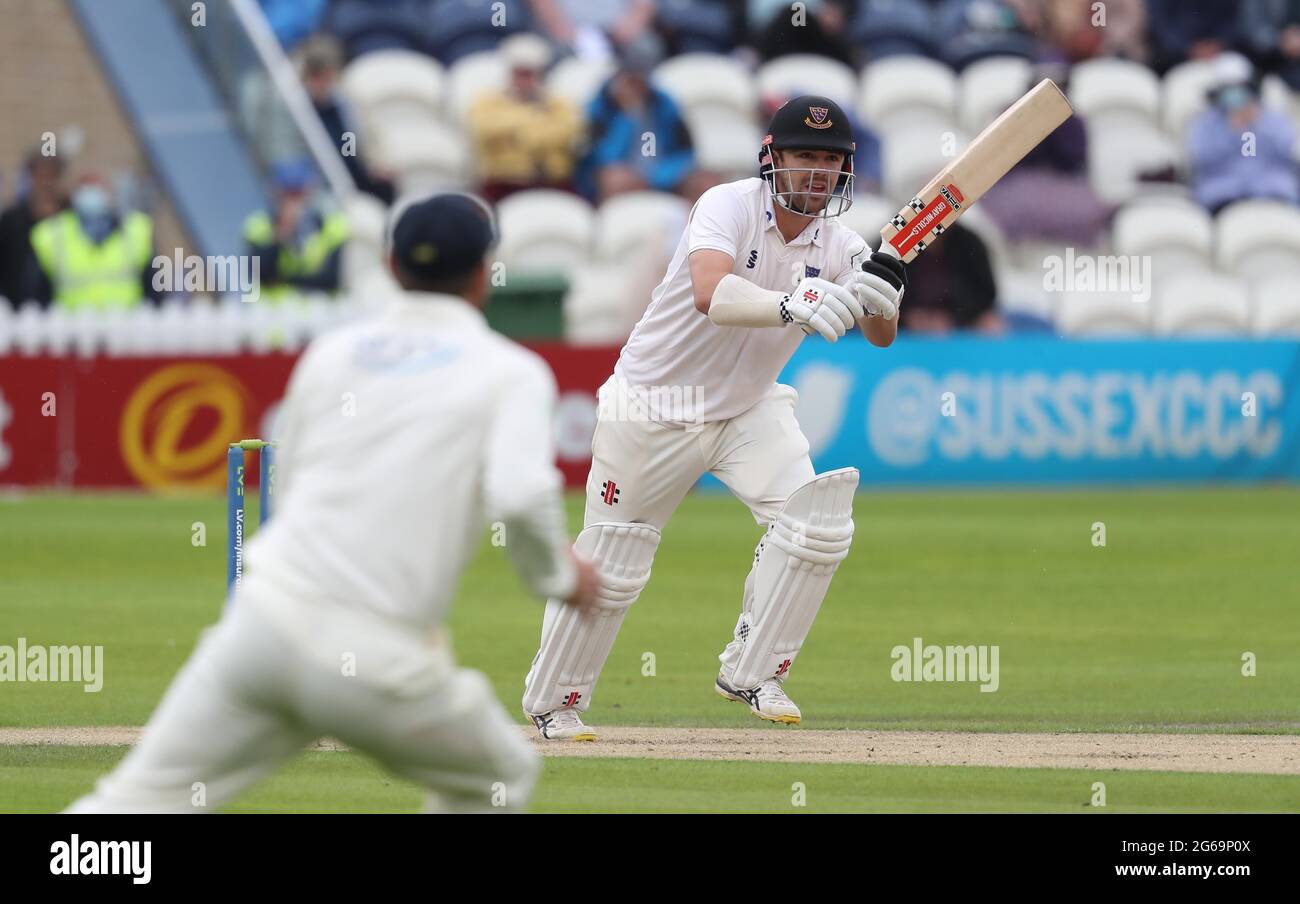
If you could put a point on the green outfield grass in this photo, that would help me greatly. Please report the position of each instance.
(48, 778)
(1145, 634)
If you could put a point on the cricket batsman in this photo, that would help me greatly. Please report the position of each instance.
(762, 263)
(398, 438)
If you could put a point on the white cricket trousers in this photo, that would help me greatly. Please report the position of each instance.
(760, 454)
(256, 692)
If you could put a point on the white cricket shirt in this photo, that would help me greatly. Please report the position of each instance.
(400, 437)
(728, 369)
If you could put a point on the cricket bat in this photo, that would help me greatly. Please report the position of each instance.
(988, 158)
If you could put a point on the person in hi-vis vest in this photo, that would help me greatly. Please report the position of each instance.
(299, 243)
(93, 256)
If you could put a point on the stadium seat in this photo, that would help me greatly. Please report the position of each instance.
(394, 86)
(1177, 234)
(625, 223)
(867, 215)
(1184, 90)
(906, 91)
(1201, 304)
(1275, 308)
(544, 232)
(596, 306)
(1115, 93)
(1277, 94)
(472, 76)
(364, 250)
(726, 142)
(912, 156)
(989, 86)
(802, 73)
(426, 154)
(578, 79)
(1119, 154)
(704, 83)
(1257, 240)
(1102, 315)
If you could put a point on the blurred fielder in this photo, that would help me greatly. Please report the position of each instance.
(762, 263)
(397, 436)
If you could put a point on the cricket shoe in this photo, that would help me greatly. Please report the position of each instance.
(768, 700)
(562, 725)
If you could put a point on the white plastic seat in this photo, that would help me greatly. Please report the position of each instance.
(902, 91)
(394, 84)
(1275, 308)
(989, 86)
(868, 215)
(544, 231)
(1102, 315)
(471, 77)
(578, 80)
(912, 156)
(1183, 94)
(1177, 234)
(1118, 92)
(1202, 304)
(1258, 240)
(626, 222)
(426, 154)
(726, 142)
(1119, 154)
(804, 73)
(596, 306)
(702, 83)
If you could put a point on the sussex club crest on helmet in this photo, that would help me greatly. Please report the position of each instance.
(817, 118)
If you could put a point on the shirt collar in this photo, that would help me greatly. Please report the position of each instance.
(814, 233)
(435, 306)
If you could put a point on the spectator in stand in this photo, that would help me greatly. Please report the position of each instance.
(970, 30)
(524, 138)
(595, 29)
(778, 28)
(952, 287)
(292, 20)
(636, 137)
(321, 61)
(44, 197)
(299, 243)
(1220, 141)
(1181, 31)
(92, 256)
(1271, 34)
(1048, 195)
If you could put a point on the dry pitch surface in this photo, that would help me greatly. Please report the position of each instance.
(1265, 754)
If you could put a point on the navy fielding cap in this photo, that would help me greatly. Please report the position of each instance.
(443, 236)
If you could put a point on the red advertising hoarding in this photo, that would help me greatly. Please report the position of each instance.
(163, 423)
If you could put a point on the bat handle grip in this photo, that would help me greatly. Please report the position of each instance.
(886, 248)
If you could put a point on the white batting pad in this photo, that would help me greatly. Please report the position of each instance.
(793, 567)
(574, 647)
